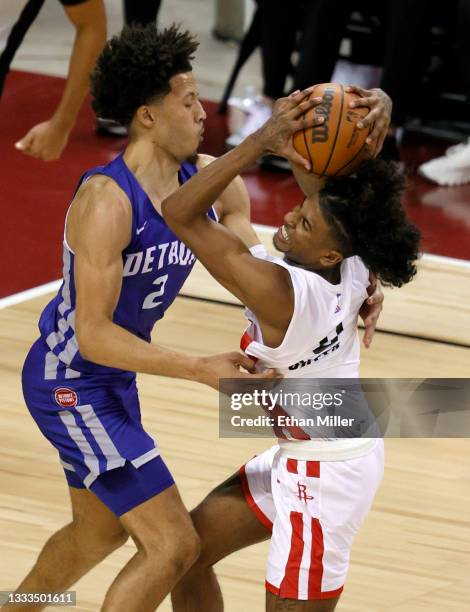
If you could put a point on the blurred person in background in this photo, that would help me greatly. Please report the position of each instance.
(322, 24)
(453, 168)
(277, 34)
(47, 139)
(141, 12)
(405, 30)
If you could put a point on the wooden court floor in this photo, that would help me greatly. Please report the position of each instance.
(412, 555)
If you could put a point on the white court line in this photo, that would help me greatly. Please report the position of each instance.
(451, 261)
(29, 294)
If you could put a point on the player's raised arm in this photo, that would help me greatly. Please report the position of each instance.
(233, 207)
(98, 230)
(256, 282)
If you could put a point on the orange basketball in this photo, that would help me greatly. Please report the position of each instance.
(338, 146)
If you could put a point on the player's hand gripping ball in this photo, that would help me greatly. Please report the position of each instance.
(338, 146)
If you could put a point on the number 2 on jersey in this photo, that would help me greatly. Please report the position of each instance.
(149, 301)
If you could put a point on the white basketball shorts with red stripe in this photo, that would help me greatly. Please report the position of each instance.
(314, 509)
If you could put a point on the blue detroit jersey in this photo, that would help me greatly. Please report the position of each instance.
(155, 265)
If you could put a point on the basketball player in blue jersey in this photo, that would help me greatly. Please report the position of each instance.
(308, 495)
(122, 268)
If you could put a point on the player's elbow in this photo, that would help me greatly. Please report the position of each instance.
(173, 213)
(87, 340)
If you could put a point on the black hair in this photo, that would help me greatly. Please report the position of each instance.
(367, 218)
(135, 68)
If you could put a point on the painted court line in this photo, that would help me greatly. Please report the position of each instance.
(29, 294)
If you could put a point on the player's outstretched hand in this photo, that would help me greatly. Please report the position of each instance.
(289, 116)
(44, 141)
(371, 309)
(227, 365)
(380, 115)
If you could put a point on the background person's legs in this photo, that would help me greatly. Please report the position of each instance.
(141, 12)
(323, 27)
(453, 168)
(463, 42)
(278, 28)
(406, 46)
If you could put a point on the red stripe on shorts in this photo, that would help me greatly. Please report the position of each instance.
(315, 574)
(292, 466)
(313, 469)
(290, 583)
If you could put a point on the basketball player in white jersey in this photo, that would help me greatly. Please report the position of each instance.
(310, 496)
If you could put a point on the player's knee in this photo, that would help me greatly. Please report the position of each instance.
(189, 554)
(180, 550)
(185, 551)
(118, 539)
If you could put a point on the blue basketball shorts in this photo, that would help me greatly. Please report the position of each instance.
(94, 422)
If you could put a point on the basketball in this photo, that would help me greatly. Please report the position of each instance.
(338, 146)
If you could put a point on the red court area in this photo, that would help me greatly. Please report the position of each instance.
(35, 195)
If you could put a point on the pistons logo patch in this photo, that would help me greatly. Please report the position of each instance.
(65, 397)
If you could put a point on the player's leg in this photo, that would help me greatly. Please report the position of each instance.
(225, 524)
(94, 424)
(167, 545)
(319, 509)
(72, 551)
(274, 603)
(237, 514)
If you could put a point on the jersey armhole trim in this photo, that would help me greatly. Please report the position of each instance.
(297, 305)
(65, 243)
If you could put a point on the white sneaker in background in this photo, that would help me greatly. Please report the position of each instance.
(110, 127)
(451, 169)
(363, 75)
(239, 108)
(256, 115)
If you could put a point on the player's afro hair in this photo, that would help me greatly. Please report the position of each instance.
(135, 67)
(366, 215)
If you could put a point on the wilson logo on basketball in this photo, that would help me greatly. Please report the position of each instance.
(65, 397)
(321, 133)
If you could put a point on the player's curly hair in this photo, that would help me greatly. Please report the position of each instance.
(135, 67)
(366, 215)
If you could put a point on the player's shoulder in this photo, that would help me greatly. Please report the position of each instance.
(204, 160)
(359, 270)
(102, 193)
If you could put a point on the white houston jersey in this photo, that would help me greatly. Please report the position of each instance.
(321, 342)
